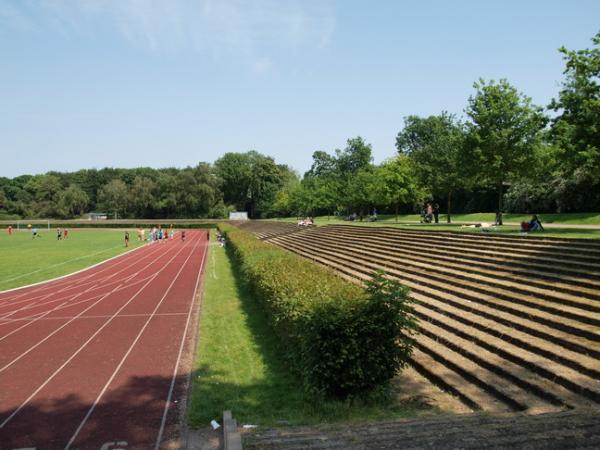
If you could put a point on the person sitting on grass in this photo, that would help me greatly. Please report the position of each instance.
(535, 224)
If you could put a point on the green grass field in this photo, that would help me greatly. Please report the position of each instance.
(25, 260)
(241, 367)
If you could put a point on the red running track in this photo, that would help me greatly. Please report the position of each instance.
(100, 359)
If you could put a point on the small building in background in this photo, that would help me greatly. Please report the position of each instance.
(238, 215)
(97, 216)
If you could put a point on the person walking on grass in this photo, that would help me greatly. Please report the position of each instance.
(127, 239)
(9, 230)
(65, 233)
(436, 212)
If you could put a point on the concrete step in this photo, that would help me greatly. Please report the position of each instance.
(532, 278)
(465, 272)
(544, 370)
(421, 280)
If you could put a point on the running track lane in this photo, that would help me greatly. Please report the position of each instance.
(99, 360)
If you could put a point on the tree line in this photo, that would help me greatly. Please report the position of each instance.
(505, 154)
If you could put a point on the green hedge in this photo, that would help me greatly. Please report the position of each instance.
(342, 340)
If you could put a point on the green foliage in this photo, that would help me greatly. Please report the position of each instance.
(72, 201)
(396, 184)
(343, 340)
(250, 181)
(577, 127)
(115, 197)
(503, 131)
(435, 145)
(141, 192)
(502, 135)
(239, 365)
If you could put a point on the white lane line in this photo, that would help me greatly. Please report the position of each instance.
(85, 344)
(181, 346)
(69, 283)
(41, 284)
(100, 285)
(69, 303)
(6, 280)
(116, 371)
(81, 313)
(35, 301)
(118, 288)
(104, 316)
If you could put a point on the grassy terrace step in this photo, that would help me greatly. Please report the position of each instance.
(510, 343)
(495, 272)
(574, 304)
(587, 266)
(472, 395)
(416, 279)
(506, 363)
(498, 331)
(586, 244)
(479, 244)
(565, 340)
(515, 396)
(527, 267)
(266, 230)
(440, 376)
(551, 375)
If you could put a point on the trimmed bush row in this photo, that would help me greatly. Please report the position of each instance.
(341, 339)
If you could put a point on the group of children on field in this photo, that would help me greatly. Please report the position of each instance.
(156, 234)
(62, 234)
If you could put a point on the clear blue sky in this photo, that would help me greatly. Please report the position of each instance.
(124, 83)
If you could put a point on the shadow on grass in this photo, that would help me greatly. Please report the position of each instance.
(277, 396)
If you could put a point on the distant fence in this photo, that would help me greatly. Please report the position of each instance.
(119, 223)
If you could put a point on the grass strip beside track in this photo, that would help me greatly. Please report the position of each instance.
(25, 260)
(240, 367)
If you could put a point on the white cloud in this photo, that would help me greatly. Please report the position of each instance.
(249, 27)
(261, 66)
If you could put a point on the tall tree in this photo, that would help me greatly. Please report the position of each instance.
(502, 134)
(396, 183)
(250, 181)
(576, 129)
(435, 144)
(45, 190)
(115, 197)
(143, 196)
(355, 157)
(73, 201)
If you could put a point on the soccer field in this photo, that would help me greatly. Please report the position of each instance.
(24, 260)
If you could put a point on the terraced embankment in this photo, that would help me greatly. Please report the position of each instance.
(506, 323)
